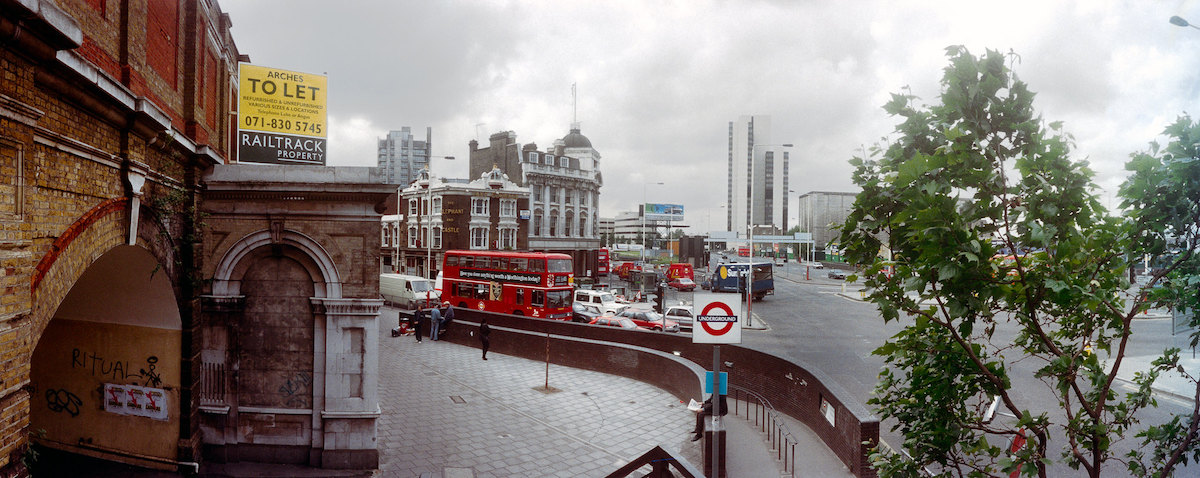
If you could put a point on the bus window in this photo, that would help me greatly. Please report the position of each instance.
(520, 296)
(481, 291)
(451, 261)
(519, 264)
(537, 265)
(560, 265)
(500, 263)
(539, 298)
(559, 298)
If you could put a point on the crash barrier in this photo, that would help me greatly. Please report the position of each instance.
(758, 410)
(790, 386)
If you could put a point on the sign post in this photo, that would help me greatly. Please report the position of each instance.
(718, 324)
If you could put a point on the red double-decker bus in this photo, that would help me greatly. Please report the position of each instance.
(602, 262)
(533, 284)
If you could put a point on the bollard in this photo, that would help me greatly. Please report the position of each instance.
(714, 436)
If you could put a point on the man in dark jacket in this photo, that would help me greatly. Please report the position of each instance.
(707, 411)
(484, 332)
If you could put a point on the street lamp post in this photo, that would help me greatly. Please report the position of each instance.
(1179, 21)
(643, 255)
(429, 218)
(750, 236)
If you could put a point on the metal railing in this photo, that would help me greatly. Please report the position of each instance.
(763, 415)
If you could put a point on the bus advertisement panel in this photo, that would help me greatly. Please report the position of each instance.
(532, 284)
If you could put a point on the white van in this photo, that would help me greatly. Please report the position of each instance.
(604, 301)
(408, 291)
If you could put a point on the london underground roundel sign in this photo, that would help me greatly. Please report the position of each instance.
(717, 320)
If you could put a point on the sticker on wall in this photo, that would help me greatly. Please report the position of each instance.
(134, 400)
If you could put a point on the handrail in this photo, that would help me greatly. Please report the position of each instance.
(661, 460)
(767, 420)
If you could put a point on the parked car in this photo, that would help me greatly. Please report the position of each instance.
(581, 312)
(682, 284)
(681, 314)
(837, 274)
(649, 319)
(615, 321)
(814, 265)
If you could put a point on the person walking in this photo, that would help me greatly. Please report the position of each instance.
(416, 323)
(484, 332)
(435, 323)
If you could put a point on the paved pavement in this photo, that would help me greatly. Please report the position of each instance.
(447, 413)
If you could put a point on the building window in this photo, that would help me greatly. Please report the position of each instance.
(412, 236)
(537, 223)
(553, 191)
(570, 218)
(549, 160)
(537, 194)
(437, 205)
(508, 238)
(582, 226)
(425, 236)
(553, 223)
(412, 207)
(437, 238)
(569, 196)
(479, 237)
(479, 206)
(387, 235)
(564, 162)
(533, 157)
(508, 208)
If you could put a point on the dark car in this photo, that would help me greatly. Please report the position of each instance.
(649, 319)
(581, 312)
(682, 284)
(837, 274)
(616, 321)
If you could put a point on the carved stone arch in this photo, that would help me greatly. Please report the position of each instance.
(312, 255)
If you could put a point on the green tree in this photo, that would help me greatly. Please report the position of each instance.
(992, 226)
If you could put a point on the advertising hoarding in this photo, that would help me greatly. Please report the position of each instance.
(663, 212)
(281, 116)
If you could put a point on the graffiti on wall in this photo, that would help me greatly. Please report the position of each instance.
(116, 370)
(61, 400)
(297, 390)
(136, 401)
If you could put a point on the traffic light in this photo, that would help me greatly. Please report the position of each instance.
(661, 299)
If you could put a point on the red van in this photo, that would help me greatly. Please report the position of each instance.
(680, 269)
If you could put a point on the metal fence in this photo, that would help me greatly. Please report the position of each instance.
(758, 410)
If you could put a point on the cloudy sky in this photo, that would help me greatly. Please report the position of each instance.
(659, 81)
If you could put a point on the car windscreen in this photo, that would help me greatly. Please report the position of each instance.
(421, 286)
(606, 298)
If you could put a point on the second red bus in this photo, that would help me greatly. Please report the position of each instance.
(533, 284)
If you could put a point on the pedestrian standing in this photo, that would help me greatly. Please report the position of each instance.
(416, 321)
(435, 323)
(484, 332)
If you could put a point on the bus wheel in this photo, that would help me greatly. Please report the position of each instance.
(517, 312)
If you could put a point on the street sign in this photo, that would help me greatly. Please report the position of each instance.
(717, 319)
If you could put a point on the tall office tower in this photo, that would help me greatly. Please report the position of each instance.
(401, 157)
(752, 155)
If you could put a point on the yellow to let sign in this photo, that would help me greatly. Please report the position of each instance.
(281, 101)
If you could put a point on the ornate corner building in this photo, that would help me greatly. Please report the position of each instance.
(564, 183)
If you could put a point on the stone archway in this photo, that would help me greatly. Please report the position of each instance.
(271, 386)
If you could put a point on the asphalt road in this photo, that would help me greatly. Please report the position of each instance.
(811, 322)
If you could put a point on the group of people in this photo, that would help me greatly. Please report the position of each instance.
(440, 317)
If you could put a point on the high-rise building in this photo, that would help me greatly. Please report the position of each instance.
(820, 210)
(402, 157)
(752, 155)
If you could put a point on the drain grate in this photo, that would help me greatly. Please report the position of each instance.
(457, 399)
